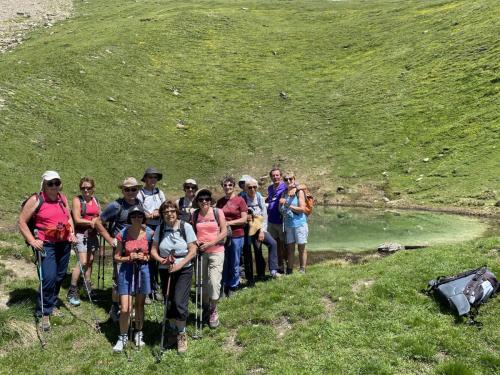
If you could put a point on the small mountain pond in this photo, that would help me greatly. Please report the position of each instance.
(342, 229)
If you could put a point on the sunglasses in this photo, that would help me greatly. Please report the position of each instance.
(228, 185)
(152, 176)
(169, 212)
(87, 188)
(136, 216)
(54, 183)
(128, 190)
(189, 187)
(252, 187)
(204, 199)
(288, 179)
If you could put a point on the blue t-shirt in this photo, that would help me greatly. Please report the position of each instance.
(172, 240)
(112, 214)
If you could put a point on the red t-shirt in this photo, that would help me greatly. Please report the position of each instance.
(232, 209)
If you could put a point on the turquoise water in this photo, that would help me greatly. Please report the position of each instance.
(358, 229)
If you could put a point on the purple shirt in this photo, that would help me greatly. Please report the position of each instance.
(273, 198)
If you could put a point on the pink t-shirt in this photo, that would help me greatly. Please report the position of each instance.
(92, 210)
(207, 230)
(133, 246)
(52, 220)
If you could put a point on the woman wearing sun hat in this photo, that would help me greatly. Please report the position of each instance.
(132, 253)
(185, 203)
(53, 234)
(151, 198)
(209, 224)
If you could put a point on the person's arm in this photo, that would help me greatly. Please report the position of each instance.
(98, 224)
(190, 255)
(301, 208)
(26, 213)
(118, 254)
(77, 214)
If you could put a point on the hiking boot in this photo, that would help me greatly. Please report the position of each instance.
(182, 342)
(73, 296)
(139, 339)
(45, 323)
(114, 313)
(302, 270)
(213, 320)
(121, 343)
(289, 271)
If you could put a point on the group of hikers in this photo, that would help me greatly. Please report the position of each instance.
(157, 242)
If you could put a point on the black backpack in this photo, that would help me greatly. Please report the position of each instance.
(465, 292)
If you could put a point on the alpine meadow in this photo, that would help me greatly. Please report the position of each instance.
(383, 104)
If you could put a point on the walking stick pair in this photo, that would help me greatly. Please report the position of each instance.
(100, 263)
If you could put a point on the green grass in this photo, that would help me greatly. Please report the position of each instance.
(340, 318)
(371, 87)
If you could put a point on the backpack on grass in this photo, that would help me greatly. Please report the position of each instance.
(466, 291)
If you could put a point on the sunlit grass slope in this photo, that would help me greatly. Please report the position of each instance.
(339, 91)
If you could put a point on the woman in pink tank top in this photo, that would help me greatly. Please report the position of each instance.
(211, 232)
(86, 210)
(51, 240)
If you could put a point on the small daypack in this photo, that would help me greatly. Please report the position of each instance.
(466, 291)
(307, 197)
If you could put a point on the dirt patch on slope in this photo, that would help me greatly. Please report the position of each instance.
(18, 17)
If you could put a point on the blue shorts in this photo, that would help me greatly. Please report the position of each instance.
(127, 283)
(297, 235)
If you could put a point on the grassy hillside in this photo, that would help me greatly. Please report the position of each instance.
(339, 91)
(339, 318)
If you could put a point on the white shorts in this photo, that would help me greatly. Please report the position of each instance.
(86, 244)
(297, 235)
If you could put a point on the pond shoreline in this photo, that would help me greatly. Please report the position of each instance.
(455, 210)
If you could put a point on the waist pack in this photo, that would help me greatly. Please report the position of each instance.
(465, 291)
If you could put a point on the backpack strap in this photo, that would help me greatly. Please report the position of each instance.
(161, 232)
(83, 206)
(124, 237)
(216, 216)
(182, 229)
(196, 214)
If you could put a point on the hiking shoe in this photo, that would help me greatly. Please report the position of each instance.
(158, 296)
(289, 271)
(139, 339)
(275, 274)
(182, 343)
(121, 343)
(57, 313)
(213, 320)
(45, 323)
(114, 313)
(302, 270)
(148, 300)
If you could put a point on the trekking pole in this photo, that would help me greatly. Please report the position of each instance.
(43, 340)
(165, 311)
(198, 297)
(100, 261)
(128, 352)
(87, 289)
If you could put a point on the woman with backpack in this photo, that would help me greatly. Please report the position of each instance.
(293, 208)
(209, 224)
(257, 230)
(185, 203)
(235, 212)
(174, 246)
(46, 224)
(86, 210)
(132, 252)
